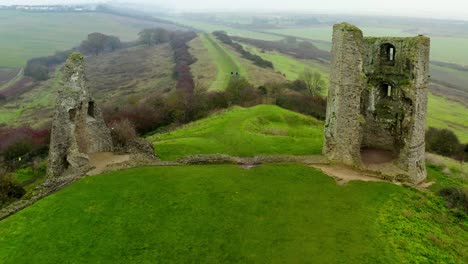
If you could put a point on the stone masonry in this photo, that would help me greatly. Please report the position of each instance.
(377, 99)
(78, 128)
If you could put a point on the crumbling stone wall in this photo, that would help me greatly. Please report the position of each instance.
(78, 127)
(377, 98)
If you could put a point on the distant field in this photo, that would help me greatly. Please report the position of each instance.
(457, 78)
(264, 129)
(210, 27)
(26, 35)
(224, 61)
(289, 66)
(443, 113)
(448, 49)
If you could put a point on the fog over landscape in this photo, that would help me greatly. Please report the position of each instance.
(449, 9)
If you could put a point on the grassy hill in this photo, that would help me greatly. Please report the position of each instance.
(264, 129)
(26, 35)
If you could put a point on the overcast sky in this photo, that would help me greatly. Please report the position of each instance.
(456, 9)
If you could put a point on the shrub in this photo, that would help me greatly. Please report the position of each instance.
(9, 188)
(315, 106)
(19, 145)
(443, 142)
(456, 197)
(122, 132)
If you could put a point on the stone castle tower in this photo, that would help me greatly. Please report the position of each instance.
(377, 99)
(78, 128)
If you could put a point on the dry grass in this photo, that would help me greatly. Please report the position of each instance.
(131, 74)
(204, 70)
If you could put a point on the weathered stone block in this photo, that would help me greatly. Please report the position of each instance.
(78, 127)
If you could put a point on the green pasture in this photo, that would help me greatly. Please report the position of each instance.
(224, 60)
(288, 65)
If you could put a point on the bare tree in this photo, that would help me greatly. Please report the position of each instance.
(313, 81)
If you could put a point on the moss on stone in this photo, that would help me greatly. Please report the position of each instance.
(74, 62)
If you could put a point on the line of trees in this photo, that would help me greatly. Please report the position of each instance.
(257, 60)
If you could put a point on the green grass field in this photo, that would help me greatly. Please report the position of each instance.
(226, 214)
(264, 129)
(443, 113)
(224, 61)
(25, 35)
(290, 66)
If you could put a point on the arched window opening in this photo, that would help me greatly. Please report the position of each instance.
(386, 90)
(387, 54)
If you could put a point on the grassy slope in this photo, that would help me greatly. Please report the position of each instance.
(120, 76)
(443, 113)
(25, 35)
(215, 71)
(263, 129)
(225, 62)
(226, 214)
(290, 66)
(8, 76)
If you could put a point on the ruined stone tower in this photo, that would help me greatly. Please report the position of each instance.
(78, 128)
(377, 100)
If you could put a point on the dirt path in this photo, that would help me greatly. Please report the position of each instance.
(343, 174)
(99, 161)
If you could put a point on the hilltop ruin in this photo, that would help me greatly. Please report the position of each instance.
(377, 101)
(78, 128)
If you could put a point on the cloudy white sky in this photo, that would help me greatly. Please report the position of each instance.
(456, 9)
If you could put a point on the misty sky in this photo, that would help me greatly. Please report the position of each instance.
(456, 9)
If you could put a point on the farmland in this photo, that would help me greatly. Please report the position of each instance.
(28, 35)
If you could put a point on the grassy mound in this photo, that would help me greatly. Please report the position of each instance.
(263, 129)
(226, 214)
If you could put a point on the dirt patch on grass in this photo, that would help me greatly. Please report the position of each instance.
(343, 174)
(100, 161)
